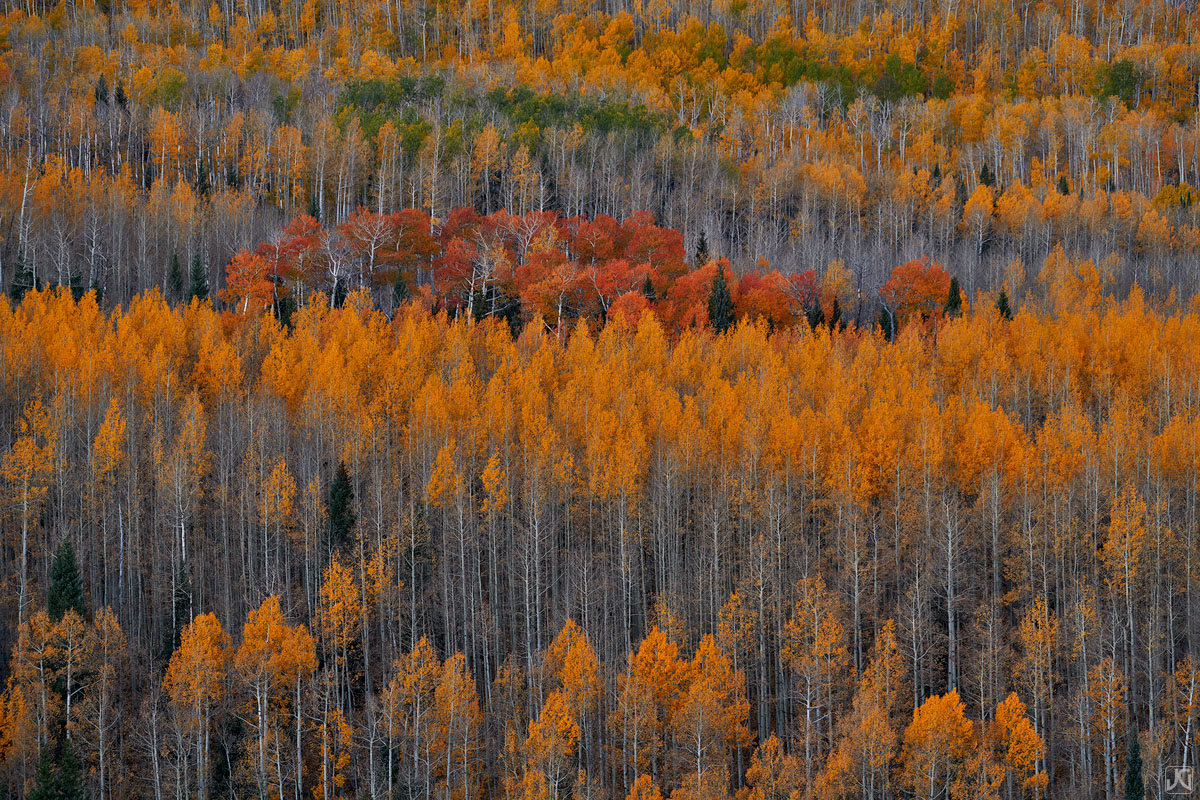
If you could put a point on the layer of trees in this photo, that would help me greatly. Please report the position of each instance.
(133, 135)
(368, 554)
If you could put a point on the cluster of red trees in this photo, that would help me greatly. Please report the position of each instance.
(541, 265)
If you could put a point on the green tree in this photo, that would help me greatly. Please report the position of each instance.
(953, 299)
(175, 278)
(1135, 788)
(69, 780)
(66, 586)
(23, 280)
(44, 784)
(720, 303)
(886, 326)
(1003, 305)
(197, 280)
(1121, 80)
(701, 250)
(985, 175)
(341, 507)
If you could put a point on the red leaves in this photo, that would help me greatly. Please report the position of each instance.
(560, 270)
(248, 288)
(918, 287)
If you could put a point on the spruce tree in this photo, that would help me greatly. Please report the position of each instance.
(816, 315)
(720, 303)
(102, 91)
(835, 316)
(702, 250)
(1135, 788)
(66, 586)
(23, 280)
(44, 787)
(120, 96)
(197, 280)
(954, 299)
(202, 180)
(75, 282)
(400, 292)
(341, 507)
(1063, 187)
(886, 327)
(985, 176)
(175, 279)
(648, 290)
(69, 781)
(314, 204)
(1003, 305)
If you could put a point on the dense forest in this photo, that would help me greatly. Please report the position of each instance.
(594, 400)
(979, 133)
(408, 555)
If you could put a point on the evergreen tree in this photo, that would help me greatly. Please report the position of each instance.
(202, 180)
(701, 250)
(69, 781)
(648, 290)
(954, 299)
(44, 787)
(314, 204)
(197, 280)
(720, 303)
(75, 283)
(816, 315)
(1063, 187)
(175, 279)
(886, 327)
(835, 316)
(1135, 788)
(120, 96)
(1003, 306)
(102, 91)
(400, 292)
(66, 586)
(23, 280)
(341, 507)
(985, 176)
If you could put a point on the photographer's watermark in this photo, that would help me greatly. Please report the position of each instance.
(1180, 780)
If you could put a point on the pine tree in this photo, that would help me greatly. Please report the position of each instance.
(816, 315)
(202, 186)
(835, 316)
(1063, 187)
(197, 280)
(120, 96)
(720, 303)
(175, 278)
(69, 781)
(886, 327)
(102, 91)
(23, 280)
(1003, 305)
(954, 299)
(648, 290)
(701, 250)
(986, 177)
(1135, 788)
(341, 507)
(66, 586)
(314, 204)
(400, 292)
(44, 787)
